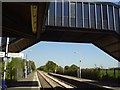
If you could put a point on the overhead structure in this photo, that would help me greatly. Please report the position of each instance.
(80, 22)
(23, 22)
(85, 22)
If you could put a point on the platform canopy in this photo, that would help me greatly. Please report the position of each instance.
(23, 22)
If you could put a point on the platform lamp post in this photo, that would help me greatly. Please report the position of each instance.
(25, 67)
(80, 69)
(29, 65)
(5, 59)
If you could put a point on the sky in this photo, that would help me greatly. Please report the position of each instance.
(109, 0)
(70, 53)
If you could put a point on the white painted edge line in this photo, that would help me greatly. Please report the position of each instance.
(39, 85)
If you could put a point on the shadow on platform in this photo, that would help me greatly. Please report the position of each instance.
(22, 83)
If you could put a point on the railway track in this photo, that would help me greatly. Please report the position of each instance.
(48, 82)
(55, 82)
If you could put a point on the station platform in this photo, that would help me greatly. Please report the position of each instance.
(107, 85)
(29, 83)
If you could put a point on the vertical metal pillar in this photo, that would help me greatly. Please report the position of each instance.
(108, 19)
(102, 16)
(48, 17)
(96, 16)
(76, 20)
(89, 15)
(80, 69)
(55, 13)
(25, 67)
(69, 14)
(114, 18)
(119, 20)
(5, 59)
(83, 14)
(63, 12)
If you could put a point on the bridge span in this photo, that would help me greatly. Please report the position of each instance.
(81, 22)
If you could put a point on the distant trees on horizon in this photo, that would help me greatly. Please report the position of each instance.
(96, 73)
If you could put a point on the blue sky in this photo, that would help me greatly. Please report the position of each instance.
(109, 0)
(70, 53)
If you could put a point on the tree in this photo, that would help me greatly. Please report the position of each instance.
(17, 68)
(59, 70)
(73, 67)
(66, 67)
(73, 70)
(43, 68)
(51, 66)
(33, 67)
(66, 70)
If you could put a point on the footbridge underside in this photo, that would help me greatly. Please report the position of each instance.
(107, 41)
(18, 25)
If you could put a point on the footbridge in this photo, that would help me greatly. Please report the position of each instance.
(67, 21)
